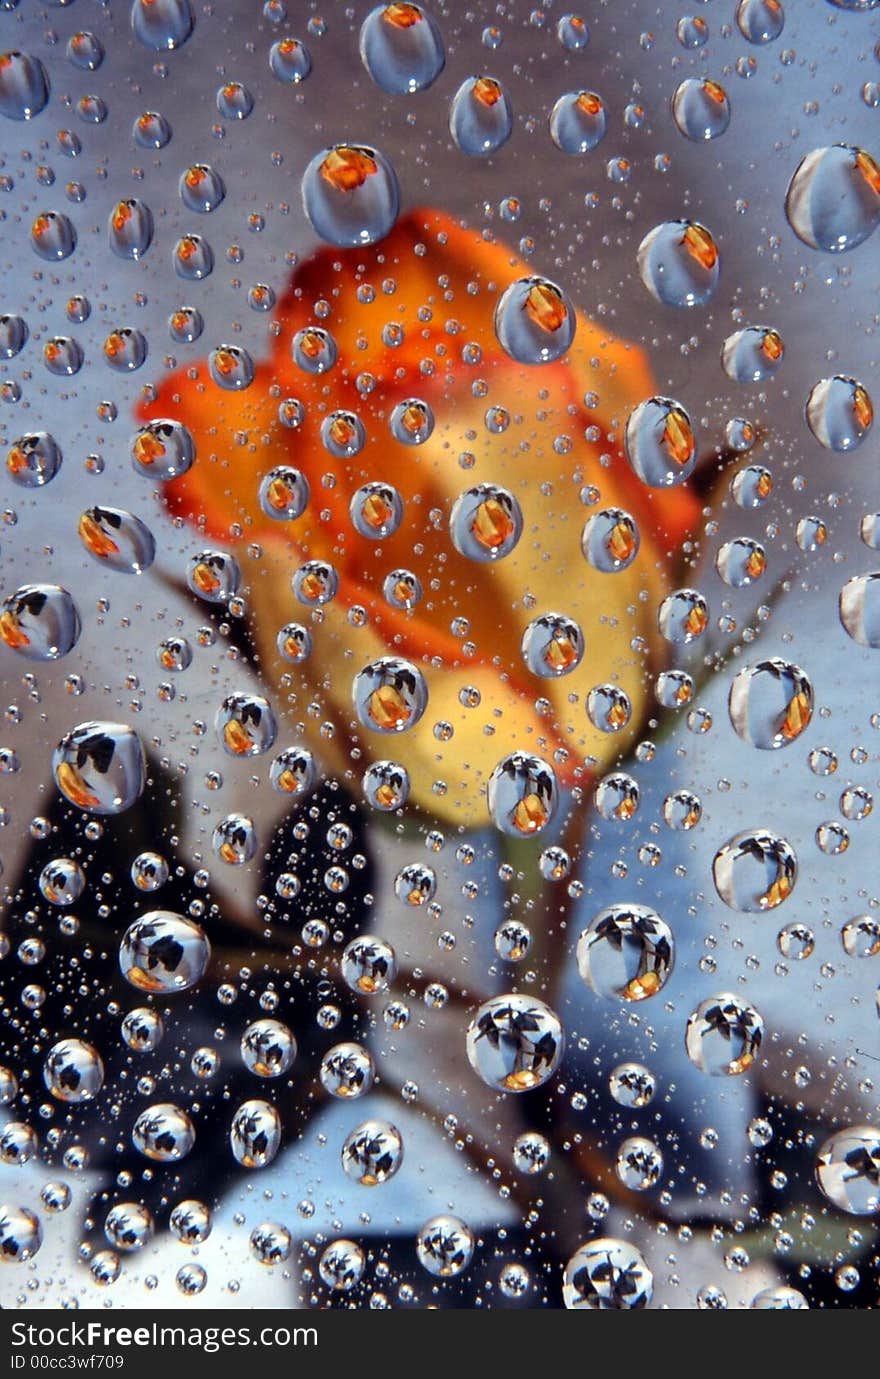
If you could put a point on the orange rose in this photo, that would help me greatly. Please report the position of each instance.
(412, 319)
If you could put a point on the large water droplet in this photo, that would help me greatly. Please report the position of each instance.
(117, 539)
(770, 703)
(162, 25)
(480, 118)
(578, 122)
(163, 952)
(755, 871)
(860, 609)
(723, 1035)
(402, 48)
(534, 321)
(839, 413)
(679, 263)
(350, 195)
(626, 953)
(523, 795)
(24, 86)
(40, 621)
(100, 767)
(515, 1043)
(833, 199)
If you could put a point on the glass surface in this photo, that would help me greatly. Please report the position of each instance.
(441, 609)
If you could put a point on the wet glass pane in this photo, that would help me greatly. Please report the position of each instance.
(440, 610)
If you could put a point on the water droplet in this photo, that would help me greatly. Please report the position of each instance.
(142, 1029)
(632, 1085)
(342, 1265)
(660, 443)
(62, 881)
(674, 689)
(760, 21)
(755, 871)
(85, 51)
(480, 117)
(609, 708)
(21, 1234)
(368, 965)
(372, 1152)
(770, 703)
(314, 350)
(376, 511)
(130, 228)
(234, 101)
(33, 460)
(162, 24)
(639, 1163)
(683, 617)
(129, 1226)
(607, 1275)
(848, 1170)
(781, 1298)
(859, 609)
(833, 199)
(201, 188)
(149, 871)
(290, 60)
(752, 486)
(617, 796)
(679, 263)
(193, 258)
(268, 1048)
(347, 1071)
(213, 575)
(100, 767)
(234, 839)
(13, 335)
(164, 1133)
(534, 321)
(723, 1035)
(390, 695)
(552, 645)
(682, 810)
(752, 355)
(412, 421)
(191, 1222)
(151, 130)
(40, 622)
(486, 523)
(24, 86)
(578, 122)
(627, 953)
(351, 195)
(246, 725)
(162, 450)
(53, 236)
(445, 1246)
(610, 540)
(839, 413)
(163, 953)
(73, 1071)
(861, 937)
(700, 108)
(117, 540)
(185, 325)
(293, 772)
(515, 1043)
(402, 48)
(63, 356)
(523, 795)
(740, 562)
